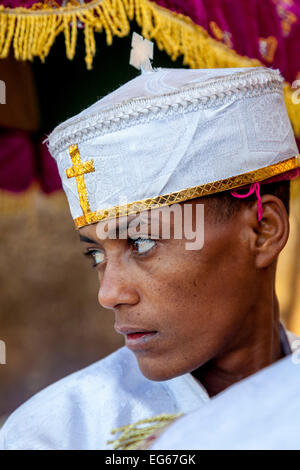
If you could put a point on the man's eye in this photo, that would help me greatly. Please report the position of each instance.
(96, 255)
(141, 245)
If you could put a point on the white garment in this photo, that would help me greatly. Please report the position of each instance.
(80, 410)
(261, 412)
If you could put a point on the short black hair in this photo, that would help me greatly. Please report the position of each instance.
(226, 206)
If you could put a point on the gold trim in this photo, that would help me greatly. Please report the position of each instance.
(189, 193)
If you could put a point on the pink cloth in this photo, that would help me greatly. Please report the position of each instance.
(17, 160)
(20, 3)
(24, 3)
(48, 173)
(22, 162)
(268, 30)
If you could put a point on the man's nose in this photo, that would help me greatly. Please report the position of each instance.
(116, 287)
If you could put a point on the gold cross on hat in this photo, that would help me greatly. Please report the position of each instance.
(78, 170)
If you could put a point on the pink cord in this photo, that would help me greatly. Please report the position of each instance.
(288, 175)
(255, 187)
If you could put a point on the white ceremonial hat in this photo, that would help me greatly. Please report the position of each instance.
(171, 135)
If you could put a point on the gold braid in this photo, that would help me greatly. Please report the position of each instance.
(132, 434)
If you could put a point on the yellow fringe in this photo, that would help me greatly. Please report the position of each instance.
(33, 31)
(13, 203)
(132, 435)
(293, 109)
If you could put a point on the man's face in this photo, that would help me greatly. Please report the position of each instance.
(177, 308)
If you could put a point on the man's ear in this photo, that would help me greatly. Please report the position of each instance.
(269, 236)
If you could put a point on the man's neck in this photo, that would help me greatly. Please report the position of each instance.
(253, 351)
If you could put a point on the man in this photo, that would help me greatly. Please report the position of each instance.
(196, 318)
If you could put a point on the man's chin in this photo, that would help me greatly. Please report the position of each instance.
(156, 372)
(157, 376)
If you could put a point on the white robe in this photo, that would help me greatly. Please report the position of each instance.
(261, 412)
(80, 410)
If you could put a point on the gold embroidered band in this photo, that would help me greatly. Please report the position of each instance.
(186, 194)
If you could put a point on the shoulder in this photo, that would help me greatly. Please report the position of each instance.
(260, 412)
(71, 401)
(80, 410)
(294, 340)
(104, 371)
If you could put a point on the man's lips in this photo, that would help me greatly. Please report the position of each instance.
(138, 335)
(136, 338)
(131, 330)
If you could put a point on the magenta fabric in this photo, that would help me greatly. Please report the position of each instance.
(245, 22)
(17, 160)
(22, 162)
(19, 3)
(48, 173)
(23, 3)
(27, 3)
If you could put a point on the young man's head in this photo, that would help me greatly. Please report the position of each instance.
(179, 308)
(178, 138)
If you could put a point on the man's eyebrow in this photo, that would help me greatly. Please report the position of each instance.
(86, 239)
(123, 225)
(121, 228)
